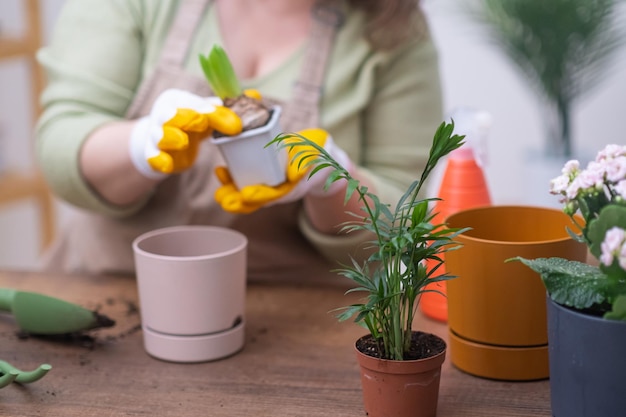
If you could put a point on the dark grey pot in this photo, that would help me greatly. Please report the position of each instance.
(587, 364)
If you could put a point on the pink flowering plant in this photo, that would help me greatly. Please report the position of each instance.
(597, 194)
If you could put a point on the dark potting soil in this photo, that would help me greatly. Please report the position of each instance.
(423, 345)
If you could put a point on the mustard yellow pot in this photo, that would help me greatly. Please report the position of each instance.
(496, 309)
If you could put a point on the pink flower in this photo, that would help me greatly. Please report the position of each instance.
(614, 245)
(572, 190)
(559, 184)
(588, 181)
(571, 168)
(615, 169)
(611, 152)
(595, 174)
(569, 171)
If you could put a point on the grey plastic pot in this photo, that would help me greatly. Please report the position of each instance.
(587, 365)
(248, 158)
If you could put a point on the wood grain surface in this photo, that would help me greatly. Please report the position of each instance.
(297, 361)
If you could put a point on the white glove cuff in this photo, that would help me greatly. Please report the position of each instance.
(139, 147)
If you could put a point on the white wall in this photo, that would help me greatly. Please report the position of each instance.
(477, 74)
(474, 74)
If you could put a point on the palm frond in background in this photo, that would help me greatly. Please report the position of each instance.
(564, 48)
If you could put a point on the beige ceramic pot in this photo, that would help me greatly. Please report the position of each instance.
(496, 309)
(192, 286)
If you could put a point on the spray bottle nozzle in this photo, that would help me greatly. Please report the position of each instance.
(475, 125)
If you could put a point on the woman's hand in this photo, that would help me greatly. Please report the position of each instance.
(167, 140)
(298, 184)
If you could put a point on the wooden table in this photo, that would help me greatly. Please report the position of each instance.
(297, 362)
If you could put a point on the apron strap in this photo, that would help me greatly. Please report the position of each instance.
(302, 111)
(173, 54)
(180, 35)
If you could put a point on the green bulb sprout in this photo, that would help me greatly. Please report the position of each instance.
(220, 74)
(222, 79)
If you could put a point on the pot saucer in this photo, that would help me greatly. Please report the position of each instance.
(201, 348)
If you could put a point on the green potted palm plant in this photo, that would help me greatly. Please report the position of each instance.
(586, 302)
(561, 47)
(400, 366)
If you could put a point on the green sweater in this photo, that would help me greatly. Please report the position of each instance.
(382, 108)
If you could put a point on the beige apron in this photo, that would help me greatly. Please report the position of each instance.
(96, 244)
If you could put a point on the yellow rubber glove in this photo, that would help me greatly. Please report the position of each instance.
(167, 140)
(297, 185)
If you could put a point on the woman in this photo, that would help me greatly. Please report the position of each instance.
(364, 71)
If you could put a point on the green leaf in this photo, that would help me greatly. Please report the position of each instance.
(571, 283)
(408, 193)
(349, 311)
(619, 309)
(419, 212)
(352, 186)
(220, 74)
(609, 217)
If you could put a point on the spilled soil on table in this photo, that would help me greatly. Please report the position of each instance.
(110, 314)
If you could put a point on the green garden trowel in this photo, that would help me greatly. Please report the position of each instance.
(38, 314)
(9, 374)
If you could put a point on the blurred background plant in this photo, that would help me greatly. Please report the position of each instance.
(563, 48)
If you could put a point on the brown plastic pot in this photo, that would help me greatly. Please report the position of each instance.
(496, 309)
(400, 388)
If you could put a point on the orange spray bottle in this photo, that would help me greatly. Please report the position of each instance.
(463, 186)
